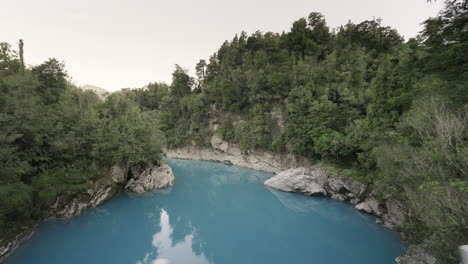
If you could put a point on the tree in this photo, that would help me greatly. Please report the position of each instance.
(21, 54)
(181, 82)
(446, 39)
(200, 70)
(299, 42)
(51, 74)
(431, 173)
(9, 63)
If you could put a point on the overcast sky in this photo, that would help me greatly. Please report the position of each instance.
(128, 43)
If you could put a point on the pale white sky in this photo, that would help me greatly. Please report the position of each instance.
(128, 43)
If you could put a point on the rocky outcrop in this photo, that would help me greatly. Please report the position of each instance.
(73, 204)
(150, 178)
(297, 180)
(371, 205)
(416, 254)
(101, 190)
(317, 181)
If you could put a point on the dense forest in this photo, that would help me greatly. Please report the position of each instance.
(359, 98)
(56, 139)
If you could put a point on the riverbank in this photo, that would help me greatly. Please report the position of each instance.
(137, 179)
(389, 212)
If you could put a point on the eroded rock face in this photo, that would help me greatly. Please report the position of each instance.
(318, 181)
(151, 178)
(371, 205)
(101, 191)
(416, 254)
(223, 151)
(298, 180)
(64, 208)
(341, 185)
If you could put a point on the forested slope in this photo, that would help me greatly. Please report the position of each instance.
(56, 139)
(386, 111)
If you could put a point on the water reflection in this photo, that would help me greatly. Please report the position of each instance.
(167, 251)
(322, 206)
(215, 214)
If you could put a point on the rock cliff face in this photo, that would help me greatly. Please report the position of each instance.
(223, 151)
(143, 179)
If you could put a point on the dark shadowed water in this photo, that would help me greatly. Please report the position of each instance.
(215, 213)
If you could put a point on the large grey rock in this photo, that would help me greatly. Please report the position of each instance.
(298, 180)
(153, 177)
(416, 254)
(370, 205)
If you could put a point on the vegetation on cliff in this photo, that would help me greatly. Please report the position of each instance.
(390, 112)
(55, 139)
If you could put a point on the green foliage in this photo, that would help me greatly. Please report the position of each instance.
(356, 98)
(369, 34)
(128, 135)
(60, 182)
(15, 202)
(350, 98)
(226, 130)
(55, 139)
(446, 39)
(181, 82)
(432, 172)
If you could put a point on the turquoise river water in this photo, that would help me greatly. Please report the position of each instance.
(215, 213)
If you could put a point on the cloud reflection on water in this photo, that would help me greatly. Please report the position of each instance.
(169, 253)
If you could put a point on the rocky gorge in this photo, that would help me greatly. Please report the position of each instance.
(298, 174)
(293, 174)
(135, 179)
